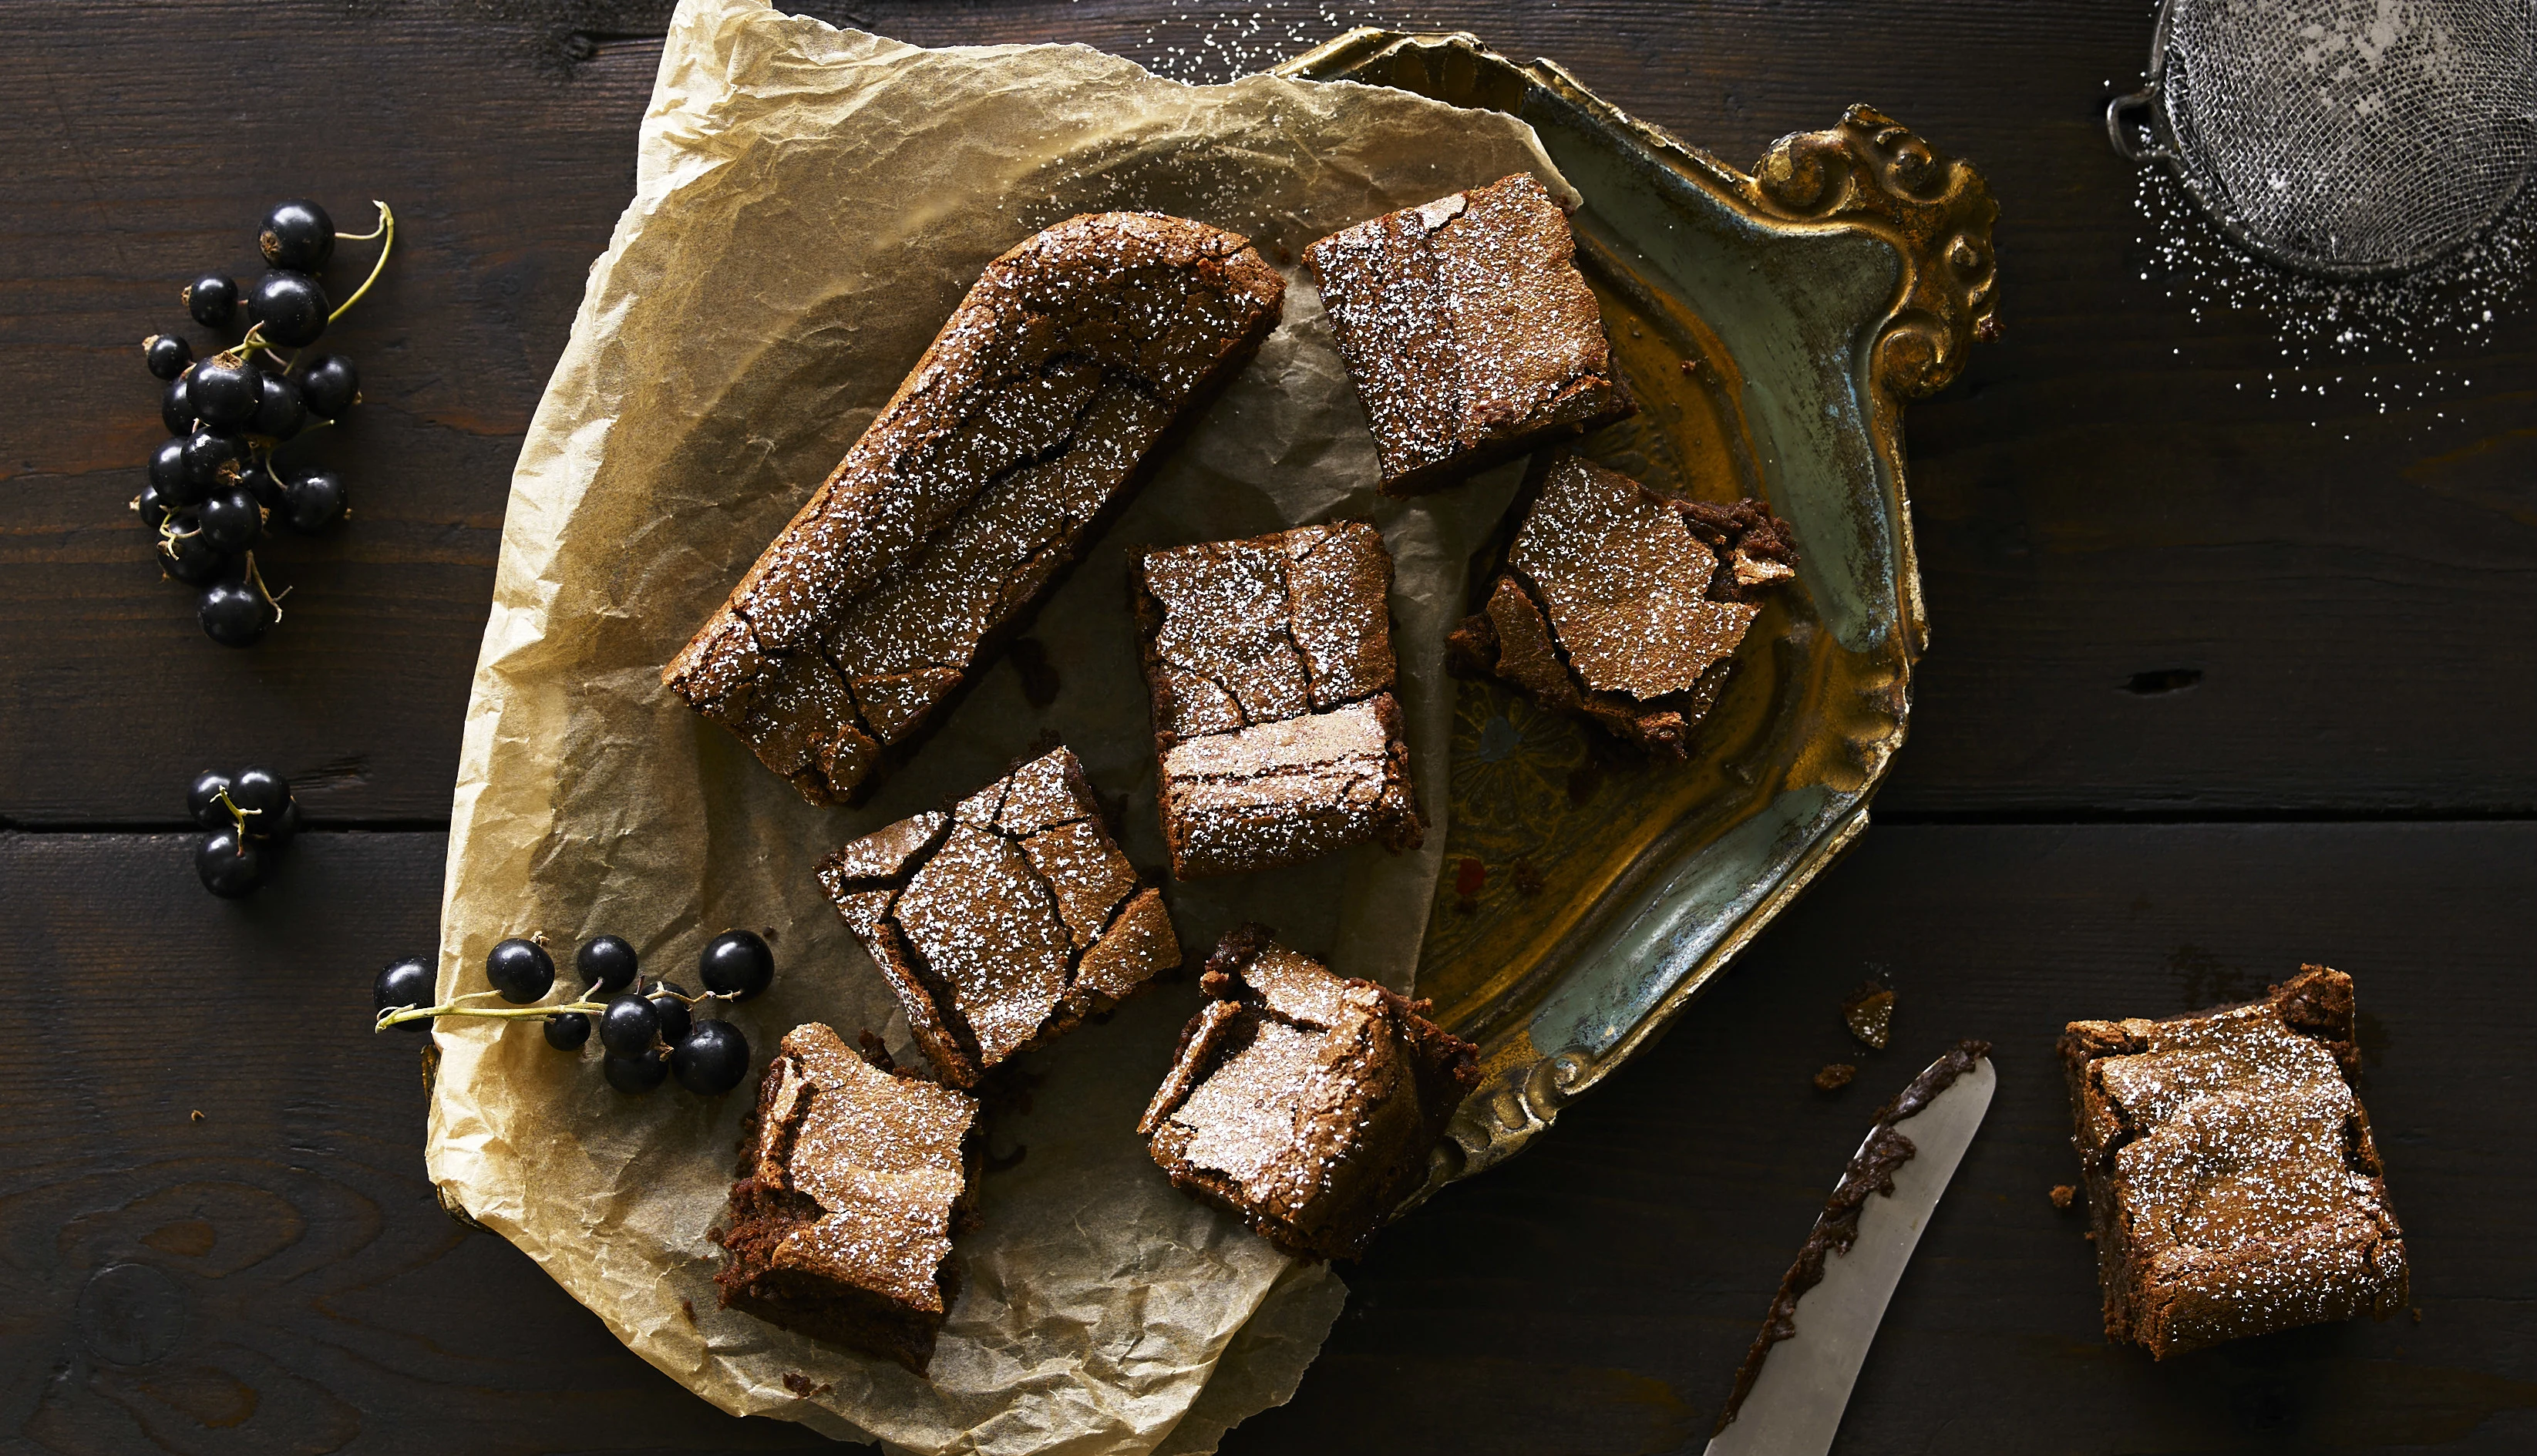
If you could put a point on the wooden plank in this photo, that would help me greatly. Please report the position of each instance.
(1593, 1296)
(2111, 493)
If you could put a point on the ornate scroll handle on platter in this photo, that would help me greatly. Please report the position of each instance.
(1872, 173)
(1502, 1115)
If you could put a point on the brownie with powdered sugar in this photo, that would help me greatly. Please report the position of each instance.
(1269, 666)
(1468, 331)
(1045, 399)
(1005, 921)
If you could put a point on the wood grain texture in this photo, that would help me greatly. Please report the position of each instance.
(277, 1276)
(2109, 491)
(2337, 602)
(297, 1288)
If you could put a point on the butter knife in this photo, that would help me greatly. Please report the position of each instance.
(1796, 1383)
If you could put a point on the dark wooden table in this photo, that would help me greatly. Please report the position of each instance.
(2227, 676)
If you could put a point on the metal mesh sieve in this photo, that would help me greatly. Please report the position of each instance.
(2343, 137)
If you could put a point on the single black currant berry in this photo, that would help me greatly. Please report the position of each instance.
(567, 1030)
(268, 491)
(212, 301)
(289, 307)
(283, 830)
(405, 985)
(176, 404)
(203, 800)
(711, 1060)
(152, 507)
(168, 468)
(521, 969)
(737, 964)
(607, 964)
(230, 866)
(235, 613)
(635, 1075)
(231, 520)
(675, 1019)
(279, 414)
(629, 1026)
(225, 393)
(314, 502)
(329, 384)
(212, 459)
(187, 555)
(296, 235)
(166, 355)
(261, 793)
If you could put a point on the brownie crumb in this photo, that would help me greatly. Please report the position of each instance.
(2062, 1197)
(688, 1307)
(802, 1386)
(1835, 1077)
(1691, 366)
(1869, 1015)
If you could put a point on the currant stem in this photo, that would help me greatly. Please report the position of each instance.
(387, 233)
(400, 1015)
(373, 232)
(271, 598)
(238, 816)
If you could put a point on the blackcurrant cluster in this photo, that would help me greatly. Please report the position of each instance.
(214, 487)
(647, 1037)
(251, 818)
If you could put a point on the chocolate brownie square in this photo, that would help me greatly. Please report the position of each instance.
(1624, 607)
(852, 1180)
(1304, 1104)
(1468, 331)
(2233, 1184)
(1269, 666)
(1005, 921)
(1030, 422)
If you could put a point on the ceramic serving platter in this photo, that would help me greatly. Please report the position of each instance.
(1773, 325)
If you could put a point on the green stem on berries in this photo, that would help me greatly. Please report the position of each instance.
(271, 598)
(237, 353)
(373, 232)
(398, 1015)
(168, 535)
(238, 816)
(387, 233)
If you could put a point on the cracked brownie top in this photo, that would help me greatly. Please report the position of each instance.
(1271, 669)
(1024, 425)
(1303, 1101)
(1004, 921)
(1468, 331)
(1623, 605)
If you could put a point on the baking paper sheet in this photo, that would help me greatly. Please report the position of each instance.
(810, 205)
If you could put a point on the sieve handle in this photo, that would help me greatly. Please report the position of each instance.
(2136, 142)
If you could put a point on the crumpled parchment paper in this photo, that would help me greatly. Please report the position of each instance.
(809, 204)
